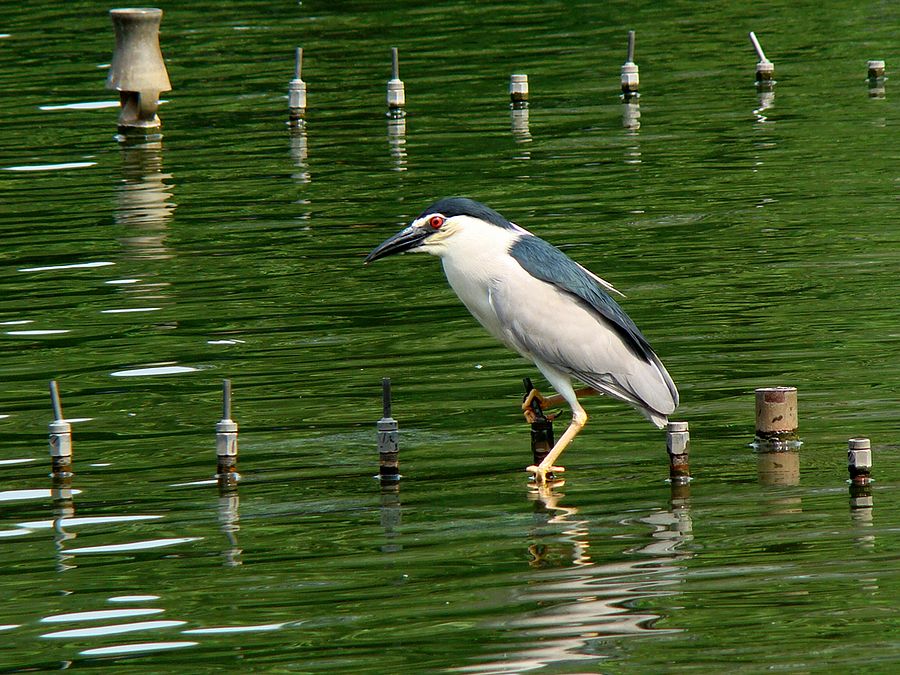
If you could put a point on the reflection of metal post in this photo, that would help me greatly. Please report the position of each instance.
(138, 71)
(226, 440)
(396, 133)
(229, 520)
(776, 416)
(518, 116)
(631, 114)
(396, 93)
(541, 428)
(388, 445)
(63, 508)
(390, 516)
(60, 437)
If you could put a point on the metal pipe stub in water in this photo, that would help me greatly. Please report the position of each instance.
(776, 416)
(630, 78)
(678, 441)
(396, 91)
(226, 439)
(518, 90)
(765, 69)
(138, 72)
(859, 460)
(875, 77)
(388, 438)
(297, 92)
(60, 437)
(541, 428)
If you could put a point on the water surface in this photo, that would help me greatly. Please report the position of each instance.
(755, 238)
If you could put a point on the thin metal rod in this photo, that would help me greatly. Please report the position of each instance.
(54, 399)
(395, 64)
(630, 46)
(299, 65)
(757, 47)
(386, 397)
(226, 399)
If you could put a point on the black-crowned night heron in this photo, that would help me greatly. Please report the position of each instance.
(539, 302)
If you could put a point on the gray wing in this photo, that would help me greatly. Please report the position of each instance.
(596, 360)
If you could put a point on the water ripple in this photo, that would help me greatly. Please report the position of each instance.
(114, 629)
(133, 546)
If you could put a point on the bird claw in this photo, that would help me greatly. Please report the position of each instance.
(528, 403)
(544, 474)
(533, 407)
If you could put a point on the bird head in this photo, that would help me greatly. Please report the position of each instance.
(432, 229)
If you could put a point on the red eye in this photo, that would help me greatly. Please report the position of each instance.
(436, 222)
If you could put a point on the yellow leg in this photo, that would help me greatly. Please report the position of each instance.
(579, 419)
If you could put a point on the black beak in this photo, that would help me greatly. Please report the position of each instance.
(405, 240)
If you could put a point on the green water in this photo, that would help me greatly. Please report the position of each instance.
(757, 247)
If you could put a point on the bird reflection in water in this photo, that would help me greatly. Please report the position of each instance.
(579, 603)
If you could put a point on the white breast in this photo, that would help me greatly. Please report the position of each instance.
(476, 260)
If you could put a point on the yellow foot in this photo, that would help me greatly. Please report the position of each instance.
(543, 474)
(528, 405)
(543, 402)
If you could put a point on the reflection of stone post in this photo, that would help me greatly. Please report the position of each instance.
(778, 467)
(137, 70)
(144, 203)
